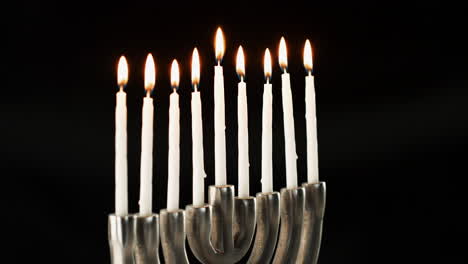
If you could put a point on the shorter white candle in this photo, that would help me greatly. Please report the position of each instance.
(121, 195)
(243, 131)
(267, 128)
(311, 120)
(198, 191)
(288, 116)
(146, 165)
(174, 134)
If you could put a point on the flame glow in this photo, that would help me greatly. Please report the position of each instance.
(195, 67)
(308, 56)
(175, 74)
(122, 72)
(240, 62)
(219, 45)
(150, 73)
(267, 64)
(283, 54)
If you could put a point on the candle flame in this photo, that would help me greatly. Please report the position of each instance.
(219, 45)
(283, 54)
(195, 67)
(308, 56)
(240, 65)
(267, 64)
(122, 72)
(175, 74)
(150, 73)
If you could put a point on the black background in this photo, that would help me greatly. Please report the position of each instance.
(391, 88)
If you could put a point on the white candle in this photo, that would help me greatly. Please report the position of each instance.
(146, 162)
(311, 120)
(243, 131)
(288, 116)
(220, 137)
(174, 134)
(198, 192)
(267, 128)
(121, 196)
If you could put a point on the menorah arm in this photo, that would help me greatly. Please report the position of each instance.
(173, 236)
(313, 220)
(268, 219)
(292, 209)
(198, 228)
(121, 239)
(146, 246)
(243, 226)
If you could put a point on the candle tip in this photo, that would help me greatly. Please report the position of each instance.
(122, 72)
(219, 45)
(283, 54)
(175, 75)
(240, 65)
(150, 73)
(308, 56)
(195, 68)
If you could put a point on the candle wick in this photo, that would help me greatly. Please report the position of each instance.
(148, 92)
(219, 62)
(195, 88)
(310, 73)
(268, 80)
(242, 78)
(121, 87)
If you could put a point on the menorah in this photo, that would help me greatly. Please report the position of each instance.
(222, 231)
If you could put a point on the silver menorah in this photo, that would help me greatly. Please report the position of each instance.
(222, 231)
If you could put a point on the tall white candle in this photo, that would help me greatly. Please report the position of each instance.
(267, 128)
(219, 116)
(243, 131)
(146, 162)
(288, 116)
(174, 134)
(311, 120)
(198, 192)
(121, 196)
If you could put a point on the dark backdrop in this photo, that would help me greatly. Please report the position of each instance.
(391, 88)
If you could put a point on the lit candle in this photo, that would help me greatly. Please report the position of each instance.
(146, 165)
(311, 123)
(220, 137)
(198, 192)
(288, 116)
(174, 134)
(121, 195)
(267, 128)
(243, 131)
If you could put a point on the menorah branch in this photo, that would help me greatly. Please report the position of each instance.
(173, 236)
(146, 247)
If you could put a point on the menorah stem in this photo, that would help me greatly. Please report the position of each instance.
(146, 232)
(121, 236)
(173, 236)
(313, 221)
(268, 219)
(292, 210)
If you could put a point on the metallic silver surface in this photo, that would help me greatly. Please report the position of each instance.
(120, 236)
(313, 221)
(134, 239)
(268, 219)
(222, 231)
(173, 236)
(146, 232)
(292, 209)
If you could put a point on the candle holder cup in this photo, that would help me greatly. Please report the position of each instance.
(314, 211)
(292, 210)
(222, 231)
(173, 236)
(134, 239)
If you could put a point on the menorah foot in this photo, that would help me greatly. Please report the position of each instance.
(313, 221)
(173, 236)
(292, 210)
(268, 219)
(146, 246)
(121, 239)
